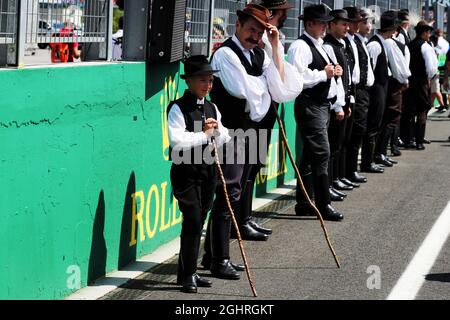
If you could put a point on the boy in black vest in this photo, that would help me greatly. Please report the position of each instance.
(338, 51)
(192, 121)
(378, 92)
(312, 110)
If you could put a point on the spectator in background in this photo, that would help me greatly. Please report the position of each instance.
(117, 42)
(435, 83)
(62, 52)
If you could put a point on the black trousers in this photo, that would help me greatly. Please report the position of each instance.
(378, 93)
(391, 116)
(336, 137)
(193, 187)
(418, 103)
(312, 120)
(360, 112)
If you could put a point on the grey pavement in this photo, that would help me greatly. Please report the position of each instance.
(386, 220)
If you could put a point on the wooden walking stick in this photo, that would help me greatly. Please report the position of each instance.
(233, 218)
(302, 186)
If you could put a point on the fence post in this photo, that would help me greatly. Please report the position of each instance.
(136, 22)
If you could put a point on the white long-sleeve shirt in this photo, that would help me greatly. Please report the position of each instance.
(356, 71)
(399, 63)
(431, 61)
(338, 105)
(375, 50)
(268, 46)
(442, 45)
(257, 91)
(370, 75)
(401, 37)
(181, 139)
(300, 56)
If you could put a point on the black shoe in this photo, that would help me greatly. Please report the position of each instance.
(410, 145)
(400, 143)
(248, 233)
(334, 196)
(392, 160)
(372, 168)
(420, 146)
(356, 177)
(258, 228)
(426, 141)
(339, 193)
(349, 183)
(381, 159)
(396, 152)
(304, 209)
(329, 213)
(202, 282)
(224, 270)
(206, 264)
(339, 185)
(189, 284)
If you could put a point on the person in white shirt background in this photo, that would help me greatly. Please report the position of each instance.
(312, 110)
(423, 67)
(378, 92)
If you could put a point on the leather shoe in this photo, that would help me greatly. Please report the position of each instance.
(420, 146)
(248, 233)
(339, 185)
(339, 193)
(391, 160)
(334, 196)
(189, 284)
(200, 282)
(206, 264)
(372, 168)
(396, 152)
(304, 209)
(258, 228)
(381, 159)
(356, 177)
(410, 145)
(329, 213)
(349, 183)
(426, 141)
(223, 270)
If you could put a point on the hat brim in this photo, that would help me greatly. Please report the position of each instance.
(322, 19)
(281, 6)
(357, 20)
(423, 28)
(198, 73)
(241, 13)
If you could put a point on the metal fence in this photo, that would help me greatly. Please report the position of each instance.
(49, 21)
(224, 19)
(292, 24)
(197, 26)
(8, 22)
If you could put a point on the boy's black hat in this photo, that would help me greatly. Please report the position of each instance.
(339, 14)
(317, 12)
(354, 14)
(196, 66)
(389, 21)
(276, 4)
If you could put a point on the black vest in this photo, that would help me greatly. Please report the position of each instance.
(193, 113)
(343, 59)
(318, 93)
(231, 108)
(405, 35)
(417, 63)
(401, 46)
(350, 56)
(363, 62)
(381, 69)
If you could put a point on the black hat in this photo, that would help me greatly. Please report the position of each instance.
(354, 14)
(317, 12)
(339, 14)
(403, 16)
(389, 21)
(422, 26)
(276, 4)
(196, 66)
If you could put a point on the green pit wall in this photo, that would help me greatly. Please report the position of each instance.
(84, 173)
